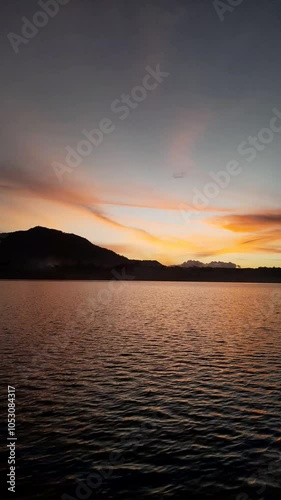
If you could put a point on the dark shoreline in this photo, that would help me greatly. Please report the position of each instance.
(147, 273)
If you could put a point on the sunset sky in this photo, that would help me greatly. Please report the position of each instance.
(144, 188)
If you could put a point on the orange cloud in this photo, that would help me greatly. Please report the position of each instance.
(250, 222)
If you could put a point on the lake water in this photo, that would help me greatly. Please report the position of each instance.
(140, 390)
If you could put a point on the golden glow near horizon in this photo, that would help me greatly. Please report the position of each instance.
(142, 223)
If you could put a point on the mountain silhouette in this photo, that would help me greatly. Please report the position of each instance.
(197, 263)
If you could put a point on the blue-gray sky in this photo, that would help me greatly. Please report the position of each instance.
(144, 188)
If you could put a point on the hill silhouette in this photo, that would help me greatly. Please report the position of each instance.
(43, 248)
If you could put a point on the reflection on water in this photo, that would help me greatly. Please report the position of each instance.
(144, 390)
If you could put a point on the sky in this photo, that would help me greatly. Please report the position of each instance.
(152, 128)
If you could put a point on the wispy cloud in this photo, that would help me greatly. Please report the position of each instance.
(88, 200)
(138, 237)
(184, 136)
(263, 232)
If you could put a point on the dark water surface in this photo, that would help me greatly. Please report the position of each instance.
(143, 390)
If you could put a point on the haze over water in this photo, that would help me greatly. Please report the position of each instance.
(182, 380)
